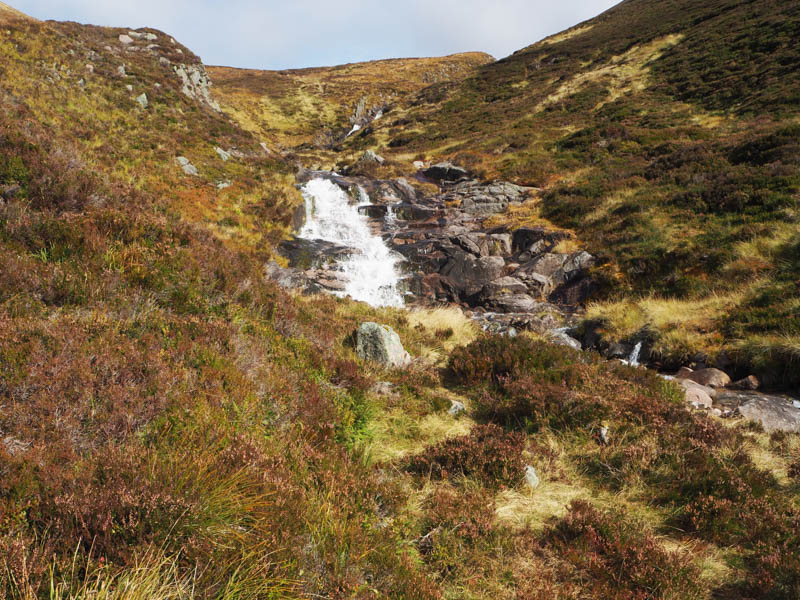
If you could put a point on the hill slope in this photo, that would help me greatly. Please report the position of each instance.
(665, 135)
(319, 106)
(174, 425)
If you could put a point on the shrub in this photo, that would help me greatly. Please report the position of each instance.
(488, 454)
(613, 557)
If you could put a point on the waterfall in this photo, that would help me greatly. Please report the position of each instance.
(372, 272)
(633, 359)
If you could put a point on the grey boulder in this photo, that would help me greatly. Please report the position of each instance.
(380, 344)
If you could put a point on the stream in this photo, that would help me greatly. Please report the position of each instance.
(371, 273)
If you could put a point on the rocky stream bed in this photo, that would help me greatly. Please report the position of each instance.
(383, 242)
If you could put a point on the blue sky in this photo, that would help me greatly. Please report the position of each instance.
(271, 34)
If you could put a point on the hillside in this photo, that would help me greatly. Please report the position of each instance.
(176, 425)
(664, 134)
(319, 106)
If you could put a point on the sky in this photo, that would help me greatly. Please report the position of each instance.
(282, 34)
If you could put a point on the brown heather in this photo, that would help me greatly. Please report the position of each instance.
(174, 426)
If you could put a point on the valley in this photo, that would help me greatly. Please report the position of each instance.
(428, 328)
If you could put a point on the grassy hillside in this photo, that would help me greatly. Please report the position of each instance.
(665, 135)
(175, 426)
(314, 106)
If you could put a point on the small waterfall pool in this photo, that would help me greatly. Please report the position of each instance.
(372, 273)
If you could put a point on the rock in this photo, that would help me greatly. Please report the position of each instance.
(290, 279)
(575, 265)
(370, 157)
(187, 167)
(470, 273)
(531, 478)
(223, 185)
(604, 435)
(535, 240)
(313, 254)
(136, 35)
(697, 396)
(502, 287)
(125, 39)
(499, 244)
(709, 377)
(574, 293)
(750, 383)
(225, 156)
(457, 408)
(150, 37)
(446, 171)
(121, 71)
(196, 84)
(90, 68)
(418, 164)
(562, 339)
(142, 100)
(539, 286)
(773, 412)
(547, 264)
(514, 303)
(380, 344)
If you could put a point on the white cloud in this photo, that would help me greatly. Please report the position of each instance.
(297, 33)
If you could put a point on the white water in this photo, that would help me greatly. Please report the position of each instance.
(355, 128)
(372, 273)
(633, 359)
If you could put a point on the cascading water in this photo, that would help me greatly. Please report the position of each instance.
(372, 272)
(633, 359)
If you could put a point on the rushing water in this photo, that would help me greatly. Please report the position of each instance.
(633, 359)
(372, 272)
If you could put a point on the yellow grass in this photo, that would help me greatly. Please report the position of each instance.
(397, 434)
(9, 12)
(622, 74)
(445, 319)
(571, 33)
(626, 317)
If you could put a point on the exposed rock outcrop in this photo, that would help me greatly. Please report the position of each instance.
(196, 84)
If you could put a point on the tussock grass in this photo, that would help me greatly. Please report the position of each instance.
(449, 325)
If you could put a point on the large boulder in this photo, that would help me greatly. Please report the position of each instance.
(470, 273)
(560, 338)
(503, 287)
(513, 303)
(709, 377)
(575, 292)
(773, 413)
(446, 171)
(574, 266)
(380, 344)
(697, 396)
(547, 264)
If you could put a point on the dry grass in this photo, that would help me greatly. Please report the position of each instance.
(397, 434)
(449, 324)
(570, 33)
(684, 324)
(621, 75)
(7, 12)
